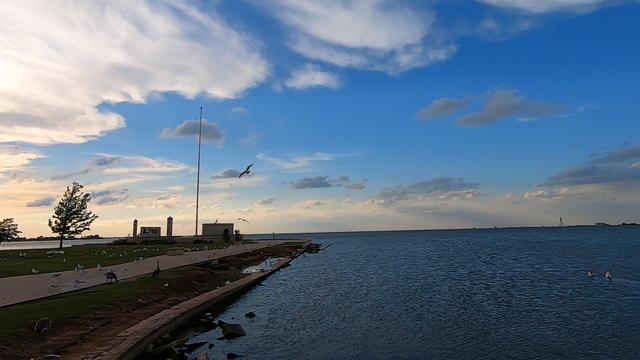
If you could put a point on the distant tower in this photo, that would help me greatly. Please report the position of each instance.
(135, 228)
(169, 226)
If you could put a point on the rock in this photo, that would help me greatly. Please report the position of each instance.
(250, 315)
(231, 330)
(210, 346)
(232, 356)
(221, 338)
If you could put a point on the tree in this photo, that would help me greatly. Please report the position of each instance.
(8, 230)
(71, 216)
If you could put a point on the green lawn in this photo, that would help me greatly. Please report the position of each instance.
(21, 317)
(12, 264)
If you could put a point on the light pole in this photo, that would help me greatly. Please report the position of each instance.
(198, 177)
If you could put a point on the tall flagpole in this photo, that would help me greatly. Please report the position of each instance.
(198, 180)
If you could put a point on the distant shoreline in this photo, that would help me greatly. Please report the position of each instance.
(268, 235)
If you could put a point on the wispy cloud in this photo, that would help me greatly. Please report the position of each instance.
(546, 6)
(509, 104)
(618, 166)
(127, 164)
(308, 204)
(298, 163)
(326, 181)
(426, 195)
(265, 201)
(312, 76)
(109, 197)
(239, 110)
(251, 139)
(443, 107)
(42, 202)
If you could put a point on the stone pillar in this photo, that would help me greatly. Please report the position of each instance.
(169, 226)
(135, 228)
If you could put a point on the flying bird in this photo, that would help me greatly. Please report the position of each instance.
(246, 171)
(245, 220)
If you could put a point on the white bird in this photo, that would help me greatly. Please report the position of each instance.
(589, 273)
(34, 270)
(608, 274)
(99, 267)
(246, 171)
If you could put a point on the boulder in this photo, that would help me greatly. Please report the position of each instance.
(231, 330)
(250, 315)
(232, 356)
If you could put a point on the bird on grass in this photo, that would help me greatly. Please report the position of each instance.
(242, 219)
(156, 272)
(246, 171)
(34, 270)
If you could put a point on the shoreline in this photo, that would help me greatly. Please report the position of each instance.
(124, 305)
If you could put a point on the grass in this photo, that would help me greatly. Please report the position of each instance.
(17, 318)
(12, 264)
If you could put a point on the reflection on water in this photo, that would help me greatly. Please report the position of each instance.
(485, 294)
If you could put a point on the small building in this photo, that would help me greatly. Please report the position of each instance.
(217, 229)
(150, 231)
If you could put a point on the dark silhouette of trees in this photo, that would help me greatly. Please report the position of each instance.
(71, 216)
(8, 230)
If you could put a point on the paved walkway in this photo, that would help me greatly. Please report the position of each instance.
(19, 289)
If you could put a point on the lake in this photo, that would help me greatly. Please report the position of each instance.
(460, 294)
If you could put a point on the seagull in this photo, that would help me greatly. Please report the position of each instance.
(589, 274)
(608, 275)
(34, 270)
(245, 220)
(246, 171)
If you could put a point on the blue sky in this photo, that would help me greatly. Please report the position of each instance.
(357, 114)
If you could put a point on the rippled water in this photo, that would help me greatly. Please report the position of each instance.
(473, 294)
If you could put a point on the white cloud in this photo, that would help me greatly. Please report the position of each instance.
(310, 76)
(544, 6)
(13, 157)
(62, 59)
(367, 34)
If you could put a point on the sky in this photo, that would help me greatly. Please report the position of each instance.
(357, 114)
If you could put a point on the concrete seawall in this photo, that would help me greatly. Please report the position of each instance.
(132, 342)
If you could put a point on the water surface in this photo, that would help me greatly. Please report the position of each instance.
(481, 294)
